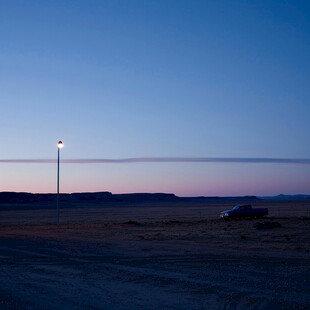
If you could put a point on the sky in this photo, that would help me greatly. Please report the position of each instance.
(122, 79)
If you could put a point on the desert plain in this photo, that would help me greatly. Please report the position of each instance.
(157, 255)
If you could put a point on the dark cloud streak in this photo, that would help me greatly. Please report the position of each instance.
(236, 160)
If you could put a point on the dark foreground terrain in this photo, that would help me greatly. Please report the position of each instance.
(155, 256)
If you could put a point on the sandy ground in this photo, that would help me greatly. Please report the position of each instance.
(155, 256)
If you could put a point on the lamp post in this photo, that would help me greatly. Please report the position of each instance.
(59, 146)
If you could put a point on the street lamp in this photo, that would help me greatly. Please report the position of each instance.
(60, 145)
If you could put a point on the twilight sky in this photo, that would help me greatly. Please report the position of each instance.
(121, 79)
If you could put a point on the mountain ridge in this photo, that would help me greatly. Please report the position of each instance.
(105, 196)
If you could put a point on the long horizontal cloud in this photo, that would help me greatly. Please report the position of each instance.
(246, 160)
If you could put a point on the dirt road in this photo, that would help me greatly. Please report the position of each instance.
(145, 275)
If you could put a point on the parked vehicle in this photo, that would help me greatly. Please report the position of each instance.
(244, 211)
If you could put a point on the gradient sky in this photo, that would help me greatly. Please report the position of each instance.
(119, 79)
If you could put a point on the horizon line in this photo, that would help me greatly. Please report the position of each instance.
(154, 193)
(249, 160)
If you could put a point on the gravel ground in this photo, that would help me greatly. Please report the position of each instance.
(155, 262)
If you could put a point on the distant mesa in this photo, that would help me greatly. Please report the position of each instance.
(218, 198)
(13, 197)
(102, 197)
(146, 197)
(287, 197)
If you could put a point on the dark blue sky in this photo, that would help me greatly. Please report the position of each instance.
(118, 79)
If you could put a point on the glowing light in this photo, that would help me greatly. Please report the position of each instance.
(60, 145)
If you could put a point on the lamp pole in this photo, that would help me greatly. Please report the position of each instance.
(59, 146)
